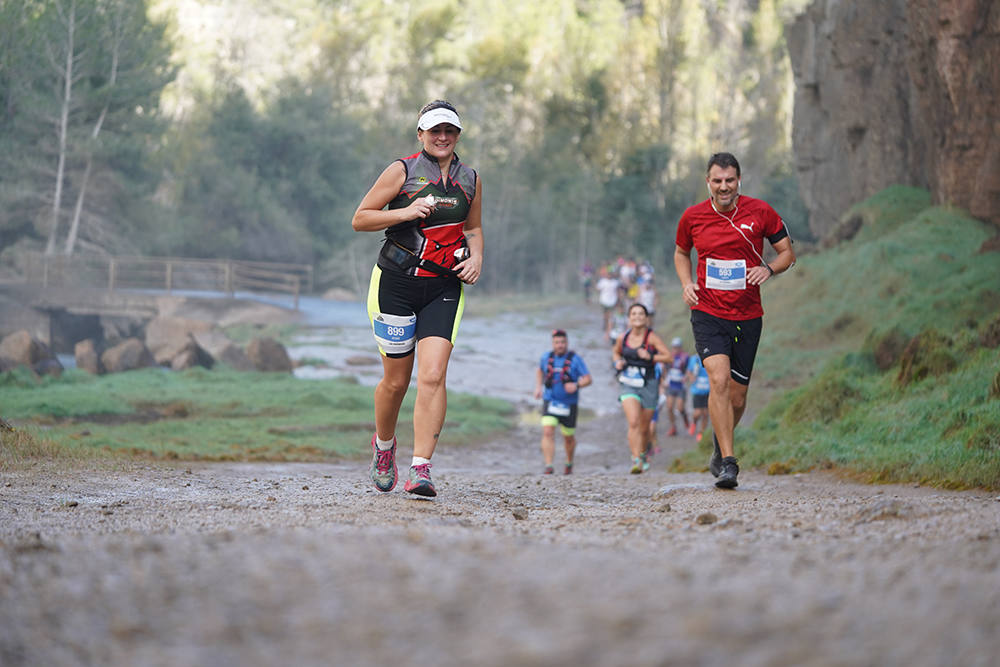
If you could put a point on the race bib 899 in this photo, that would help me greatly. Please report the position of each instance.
(395, 334)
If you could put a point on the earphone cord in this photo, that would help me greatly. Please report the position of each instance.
(732, 223)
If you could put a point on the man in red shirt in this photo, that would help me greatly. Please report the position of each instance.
(727, 231)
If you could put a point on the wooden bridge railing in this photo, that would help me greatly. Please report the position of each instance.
(167, 273)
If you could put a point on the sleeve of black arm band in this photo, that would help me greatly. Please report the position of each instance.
(782, 233)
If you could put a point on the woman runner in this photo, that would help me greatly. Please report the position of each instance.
(430, 206)
(635, 355)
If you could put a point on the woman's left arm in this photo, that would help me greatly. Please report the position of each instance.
(470, 269)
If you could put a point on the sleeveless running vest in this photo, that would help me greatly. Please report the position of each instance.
(436, 237)
(631, 356)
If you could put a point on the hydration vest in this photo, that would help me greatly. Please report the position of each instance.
(426, 247)
(550, 371)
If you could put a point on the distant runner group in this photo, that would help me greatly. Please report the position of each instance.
(429, 206)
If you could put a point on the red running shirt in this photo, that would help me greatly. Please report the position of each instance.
(723, 241)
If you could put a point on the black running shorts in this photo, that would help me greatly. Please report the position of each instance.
(737, 339)
(437, 303)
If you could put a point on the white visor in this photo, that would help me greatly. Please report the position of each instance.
(437, 116)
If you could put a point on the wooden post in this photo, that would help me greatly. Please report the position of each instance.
(297, 286)
(170, 276)
(229, 278)
(45, 271)
(112, 274)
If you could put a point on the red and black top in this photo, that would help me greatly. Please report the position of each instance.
(725, 242)
(436, 237)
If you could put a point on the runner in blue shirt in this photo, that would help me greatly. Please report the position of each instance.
(697, 378)
(559, 377)
(676, 396)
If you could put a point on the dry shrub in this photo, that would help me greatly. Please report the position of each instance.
(887, 347)
(927, 355)
(779, 468)
(991, 244)
(17, 446)
(990, 336)
(986, 437)
(824, 400)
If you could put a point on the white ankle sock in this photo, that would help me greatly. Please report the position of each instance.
(384, 445)
(419, 460)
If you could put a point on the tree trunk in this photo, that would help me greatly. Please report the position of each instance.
(70, 21)
(116, 41)
(74, 227)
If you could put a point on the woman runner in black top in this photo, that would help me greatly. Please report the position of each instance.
(635, 355)
(430, 206)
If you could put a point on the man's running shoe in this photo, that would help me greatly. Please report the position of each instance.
(691, 428)
(672, 431)
(636, 465)
(548, 470)
(715, 463)
(420, 482)
(727, 478)
(383, 467)
(568, 470)
(645, 463)
(697, 438)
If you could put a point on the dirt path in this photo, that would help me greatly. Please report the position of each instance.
(305, 564)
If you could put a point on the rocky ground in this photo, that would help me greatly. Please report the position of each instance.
(306, 564)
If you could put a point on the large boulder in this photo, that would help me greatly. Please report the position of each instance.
(51, 366)
(191, 355)
(128, 355)
(223, 349)
(23, 349)
(166, 336)
(235, 357)
(212, 341)
(268, 354)
(87, 357)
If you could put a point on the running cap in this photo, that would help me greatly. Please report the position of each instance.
(677, 342)
(558, 332)
(436, 117)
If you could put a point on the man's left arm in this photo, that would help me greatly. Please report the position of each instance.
(776, 232)
(786, 257)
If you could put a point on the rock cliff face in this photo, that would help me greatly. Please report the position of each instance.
(898, 91)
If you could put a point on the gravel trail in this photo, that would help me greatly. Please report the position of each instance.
(306, 564)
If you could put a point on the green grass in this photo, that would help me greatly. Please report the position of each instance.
(220, 414)
(912, 276)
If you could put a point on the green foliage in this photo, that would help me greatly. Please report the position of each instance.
(275, 185)
(589, 123)
(78, 126)
(222, 415)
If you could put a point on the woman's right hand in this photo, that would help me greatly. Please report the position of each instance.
(420, 208)
(619, 364)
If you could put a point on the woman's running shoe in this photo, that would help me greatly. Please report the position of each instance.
(568, 469)
(420, 482)
(548, 470)
(383, 467)
(637, 463)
